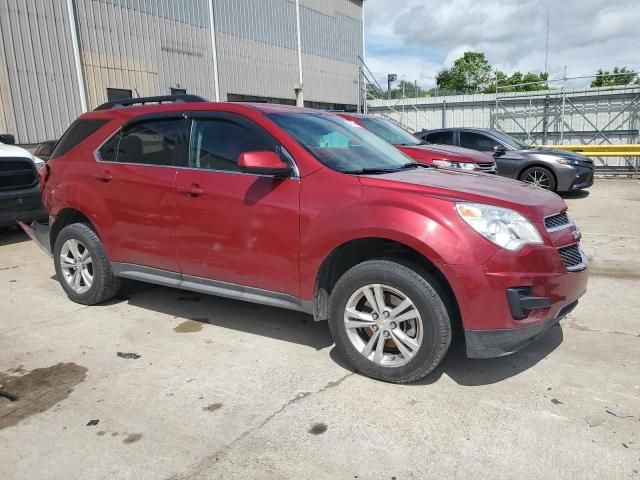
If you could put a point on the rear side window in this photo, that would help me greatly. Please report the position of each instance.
(442, 138)
(152, 142)
(216, 144)
(77, 133)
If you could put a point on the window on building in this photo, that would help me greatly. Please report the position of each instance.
(150, 142)
(477, 141)
(442, 138)
(216, 144)
(178, 91)
(115, 94)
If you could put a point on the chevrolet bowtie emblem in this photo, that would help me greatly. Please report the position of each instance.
(577, 234)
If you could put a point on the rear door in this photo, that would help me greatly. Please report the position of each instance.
(135, 176)
(444, 137)
(232, 226)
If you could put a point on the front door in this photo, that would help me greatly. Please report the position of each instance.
(232, 226)
(135, 177)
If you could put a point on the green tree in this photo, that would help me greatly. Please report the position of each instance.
(518, 82)
(620, 76)
(470, 73)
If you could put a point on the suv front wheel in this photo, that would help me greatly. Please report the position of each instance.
(389, 321)
(82, 266)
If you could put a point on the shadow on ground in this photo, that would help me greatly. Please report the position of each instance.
(252, 318)
(576, 194)
(473, 372)
(10, 236)
(300, 328)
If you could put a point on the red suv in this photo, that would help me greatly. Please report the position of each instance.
(302, 209)
(447, 156)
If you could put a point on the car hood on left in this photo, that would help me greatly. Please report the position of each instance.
(13, 151)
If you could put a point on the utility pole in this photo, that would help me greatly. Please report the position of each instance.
(546, 49)
(564, 96)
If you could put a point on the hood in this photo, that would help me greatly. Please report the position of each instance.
(445, 152)
(533, 202)
(560, 153)
(13, 151)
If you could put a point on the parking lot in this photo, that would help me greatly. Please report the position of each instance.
(162, 383)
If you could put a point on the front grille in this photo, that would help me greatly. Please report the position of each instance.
(557, 221)
(16, 173)
(487, 167)
(571, 257)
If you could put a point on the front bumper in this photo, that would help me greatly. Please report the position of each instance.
(572, 178)
(23, 204)
(497, 343)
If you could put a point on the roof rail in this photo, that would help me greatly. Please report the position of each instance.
(127, 102)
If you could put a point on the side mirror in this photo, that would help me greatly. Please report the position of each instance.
(7, 139)
(499, 150)
(263, 163)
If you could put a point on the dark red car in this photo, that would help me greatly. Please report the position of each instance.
(304, 210)
(428, 153)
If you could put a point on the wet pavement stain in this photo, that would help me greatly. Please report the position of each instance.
(318, 429)
(188, 326)
(39, 390)
(213, 407)
(132, 438)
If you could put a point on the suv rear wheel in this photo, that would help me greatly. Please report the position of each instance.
(389, 321)
(82, 266)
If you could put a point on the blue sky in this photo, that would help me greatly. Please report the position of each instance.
(417, 38)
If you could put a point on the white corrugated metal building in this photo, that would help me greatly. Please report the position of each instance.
(60, 57)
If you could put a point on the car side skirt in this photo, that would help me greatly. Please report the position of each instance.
(211, 287)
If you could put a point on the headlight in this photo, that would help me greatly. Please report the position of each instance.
(566, 161)
(39, 163)
(506, 228)
(461, 165)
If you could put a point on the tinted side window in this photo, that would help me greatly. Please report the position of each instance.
(216, 144)
(477, 141)
(151, 142)
(77, 133)
(443, 138)
(109, 151)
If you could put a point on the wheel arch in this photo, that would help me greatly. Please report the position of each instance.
(65, 217)
(353, 252)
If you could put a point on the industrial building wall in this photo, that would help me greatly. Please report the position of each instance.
(38, 86)
(149, 46)
(257, 48)
(146, 47)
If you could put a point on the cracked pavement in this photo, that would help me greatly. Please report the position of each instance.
(259, 392)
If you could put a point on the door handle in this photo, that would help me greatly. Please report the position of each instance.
(191, 190)
(103, 177)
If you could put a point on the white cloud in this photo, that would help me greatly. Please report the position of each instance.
(418, 37)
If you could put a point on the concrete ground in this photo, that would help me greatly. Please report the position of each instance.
(224, 389)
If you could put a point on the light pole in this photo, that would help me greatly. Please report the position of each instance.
(390, 78)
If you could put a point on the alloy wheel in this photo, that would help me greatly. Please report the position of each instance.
(384, 325)
(539, 178)
(76, 265)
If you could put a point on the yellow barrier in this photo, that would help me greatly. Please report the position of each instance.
(623, 150)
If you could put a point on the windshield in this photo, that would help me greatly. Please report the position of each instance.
(389, 131)
(340, 144)
(510, 141)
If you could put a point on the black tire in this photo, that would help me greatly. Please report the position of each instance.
(105, 284)
(550, 179)
(422, 290)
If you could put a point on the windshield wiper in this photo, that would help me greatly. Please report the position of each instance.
(374, 171)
